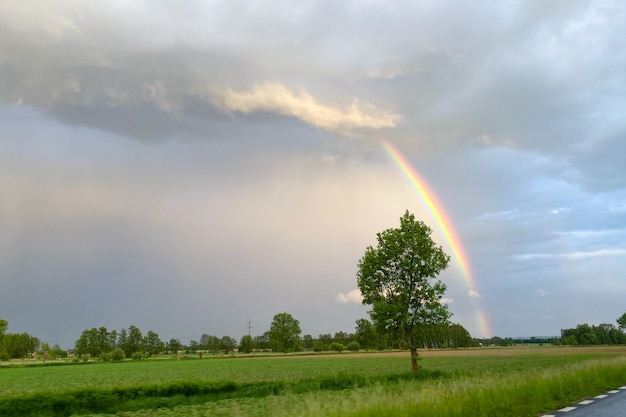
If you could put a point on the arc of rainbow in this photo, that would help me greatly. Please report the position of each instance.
(438, 212)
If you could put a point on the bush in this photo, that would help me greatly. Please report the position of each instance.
(337, 347)
(319, 347)
(353, 346)
(4, 356)
(137, 356)
(117, 355)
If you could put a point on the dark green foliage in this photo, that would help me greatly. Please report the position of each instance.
(227, 344)
(118, 355)
(584, 334)
(19, 345)
(99, 342)
(353, 346)
(247, 344)
(111, 400)
(284, 334)
(337, 347)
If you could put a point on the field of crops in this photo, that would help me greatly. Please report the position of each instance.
(527, 381)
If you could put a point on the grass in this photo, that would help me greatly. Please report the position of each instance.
(455, 383)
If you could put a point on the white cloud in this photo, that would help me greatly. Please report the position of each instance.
(277, 98)
(353, 296)
(541, 292)
(446, 300)
(473, 294)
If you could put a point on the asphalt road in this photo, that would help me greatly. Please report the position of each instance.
(610, 404)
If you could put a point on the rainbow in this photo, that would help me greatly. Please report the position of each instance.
(438, 212)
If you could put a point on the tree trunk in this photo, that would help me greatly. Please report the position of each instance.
(414, 359)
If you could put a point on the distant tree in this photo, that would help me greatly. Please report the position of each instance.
(398, 279)
(213, 345)
(90, 343)
(325, 338)
(365, 334)
(285, 333)
(246, 345)
(122, 339)
(57, 352)
(134, 341)
(228, 344)
(173, 346)
(620, 321)
(342, 337)
(4, 325)
(153, 344)
(194, 346)
(20, 345)
(307, 341)
(263, 341)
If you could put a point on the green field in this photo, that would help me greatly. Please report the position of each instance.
(480, 382)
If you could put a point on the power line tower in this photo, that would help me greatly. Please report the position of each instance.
(249, 327)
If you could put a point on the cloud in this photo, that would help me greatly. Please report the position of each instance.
(572, 256)
(277, 98)
(541, 292)
(353, 296)
(473, 294)
(446, 300)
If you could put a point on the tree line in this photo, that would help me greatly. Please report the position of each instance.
(602, 334)
(285, 336)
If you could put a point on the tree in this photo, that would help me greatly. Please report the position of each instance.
(366, 334)
(284, 335)
(621, 322)
(307, 341)
(398, 279)
(228, 344)
(173, 346)
(20, 345)
(153, 343)
(263, 341)
(246, 345)
(135, 341)
(4, 325)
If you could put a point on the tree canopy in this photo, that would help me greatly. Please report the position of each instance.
(622, 322)
(284, 334)
(398, 279)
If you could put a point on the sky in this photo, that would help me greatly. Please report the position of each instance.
(198, 167)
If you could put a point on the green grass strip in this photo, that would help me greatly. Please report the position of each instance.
(133, 398)
(522, 395)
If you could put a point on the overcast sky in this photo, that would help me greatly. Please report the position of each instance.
(189, 166)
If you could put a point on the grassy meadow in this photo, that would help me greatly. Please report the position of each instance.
(474, 382)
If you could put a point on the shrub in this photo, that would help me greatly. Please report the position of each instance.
(337, 347)
(4, 356)
(353, 346)
(137, 356)
(319, 347)
(118, 355)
